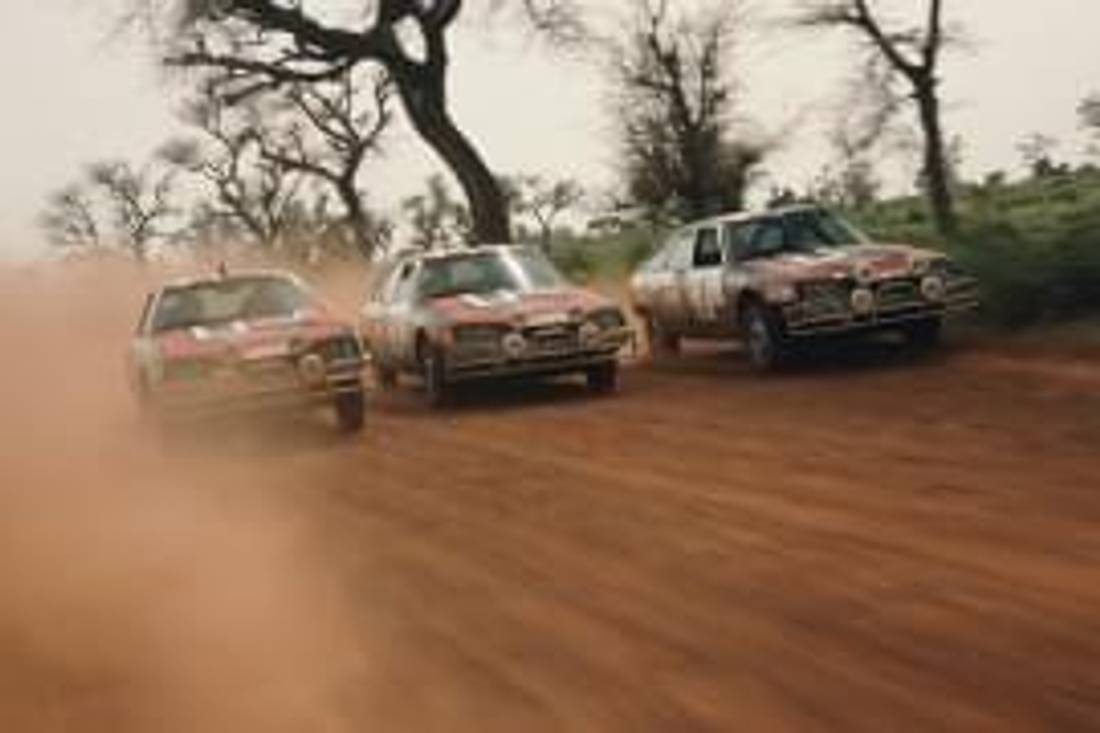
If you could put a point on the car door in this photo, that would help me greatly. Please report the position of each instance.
(671, 293)
(703, 291)
(378, 316)
(404, 316)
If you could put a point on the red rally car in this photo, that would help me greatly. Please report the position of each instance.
(242, 342)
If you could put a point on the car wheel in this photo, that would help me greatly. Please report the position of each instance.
(662, 343)
(924, 334)
(763, 336)
(350, 406)
(603, 378)
(434, 373)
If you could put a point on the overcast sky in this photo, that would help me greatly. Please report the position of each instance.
(73, 94)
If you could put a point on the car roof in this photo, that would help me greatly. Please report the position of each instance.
(418, 255)
(251, 274)
(742, 216)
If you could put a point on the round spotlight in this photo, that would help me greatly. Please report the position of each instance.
(312, 369)
(514, 345)
(589, 332)
(863, 301)
(933, 288)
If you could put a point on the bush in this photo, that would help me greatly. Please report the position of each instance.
(607, 257)
(1028, 278)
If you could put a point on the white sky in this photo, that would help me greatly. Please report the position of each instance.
(72, 95)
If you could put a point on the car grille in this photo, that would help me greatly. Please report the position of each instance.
(900, 293)
(825, 300)
(552, 339)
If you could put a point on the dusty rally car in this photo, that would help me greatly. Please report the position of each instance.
(490, 311)
(782, 276)
(243, 342)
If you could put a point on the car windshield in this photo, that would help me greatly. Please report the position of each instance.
(811, 230)
(222, 301)
(521, 270)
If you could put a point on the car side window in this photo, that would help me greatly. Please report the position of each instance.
(388, 289)
(769, 238)
(739, 236)
(405, 283)
(681, 250)
(708, 249)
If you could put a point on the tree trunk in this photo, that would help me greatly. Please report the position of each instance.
(426, 106)
(356, 219)
(936, 169)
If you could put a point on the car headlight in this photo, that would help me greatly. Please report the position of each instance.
(608, 319)
(863, 301)
(514, 344)
(313, 371)
(933, 288)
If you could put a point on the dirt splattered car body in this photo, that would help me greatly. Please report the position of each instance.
(775, 277)
(485, 312)
(244, 342)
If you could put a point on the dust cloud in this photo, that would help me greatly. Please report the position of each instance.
(144, 587)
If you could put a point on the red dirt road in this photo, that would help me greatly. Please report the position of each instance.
(876, 542)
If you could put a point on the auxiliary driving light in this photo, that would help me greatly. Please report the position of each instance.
(933, 288)
(863, 301)
(589, 332)
(514, 345)
(312, 369)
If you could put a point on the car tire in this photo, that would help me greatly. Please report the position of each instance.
(924, 335)
(603, 378)
(350, 407)
(661, 343)
(763, 336)
(433, 369)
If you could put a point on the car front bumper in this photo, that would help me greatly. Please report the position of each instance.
(800, 320)
(484, 364)
(232, 392)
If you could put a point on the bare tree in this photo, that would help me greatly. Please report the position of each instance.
(327, 131)
(912, 54)
(248, 187)
(69, 219)
(1088, 112)
(139, 199)
(675, 111)
(437, 220)
(543, 200)
(250, 46)
(1038, 151)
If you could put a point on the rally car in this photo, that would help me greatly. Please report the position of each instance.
(487, 312)
(245, 341)
(780, 277)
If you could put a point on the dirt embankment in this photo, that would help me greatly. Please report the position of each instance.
(872, 542)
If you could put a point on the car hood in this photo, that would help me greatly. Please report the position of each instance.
(862, 262)
(512, 307)
(253, 338)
